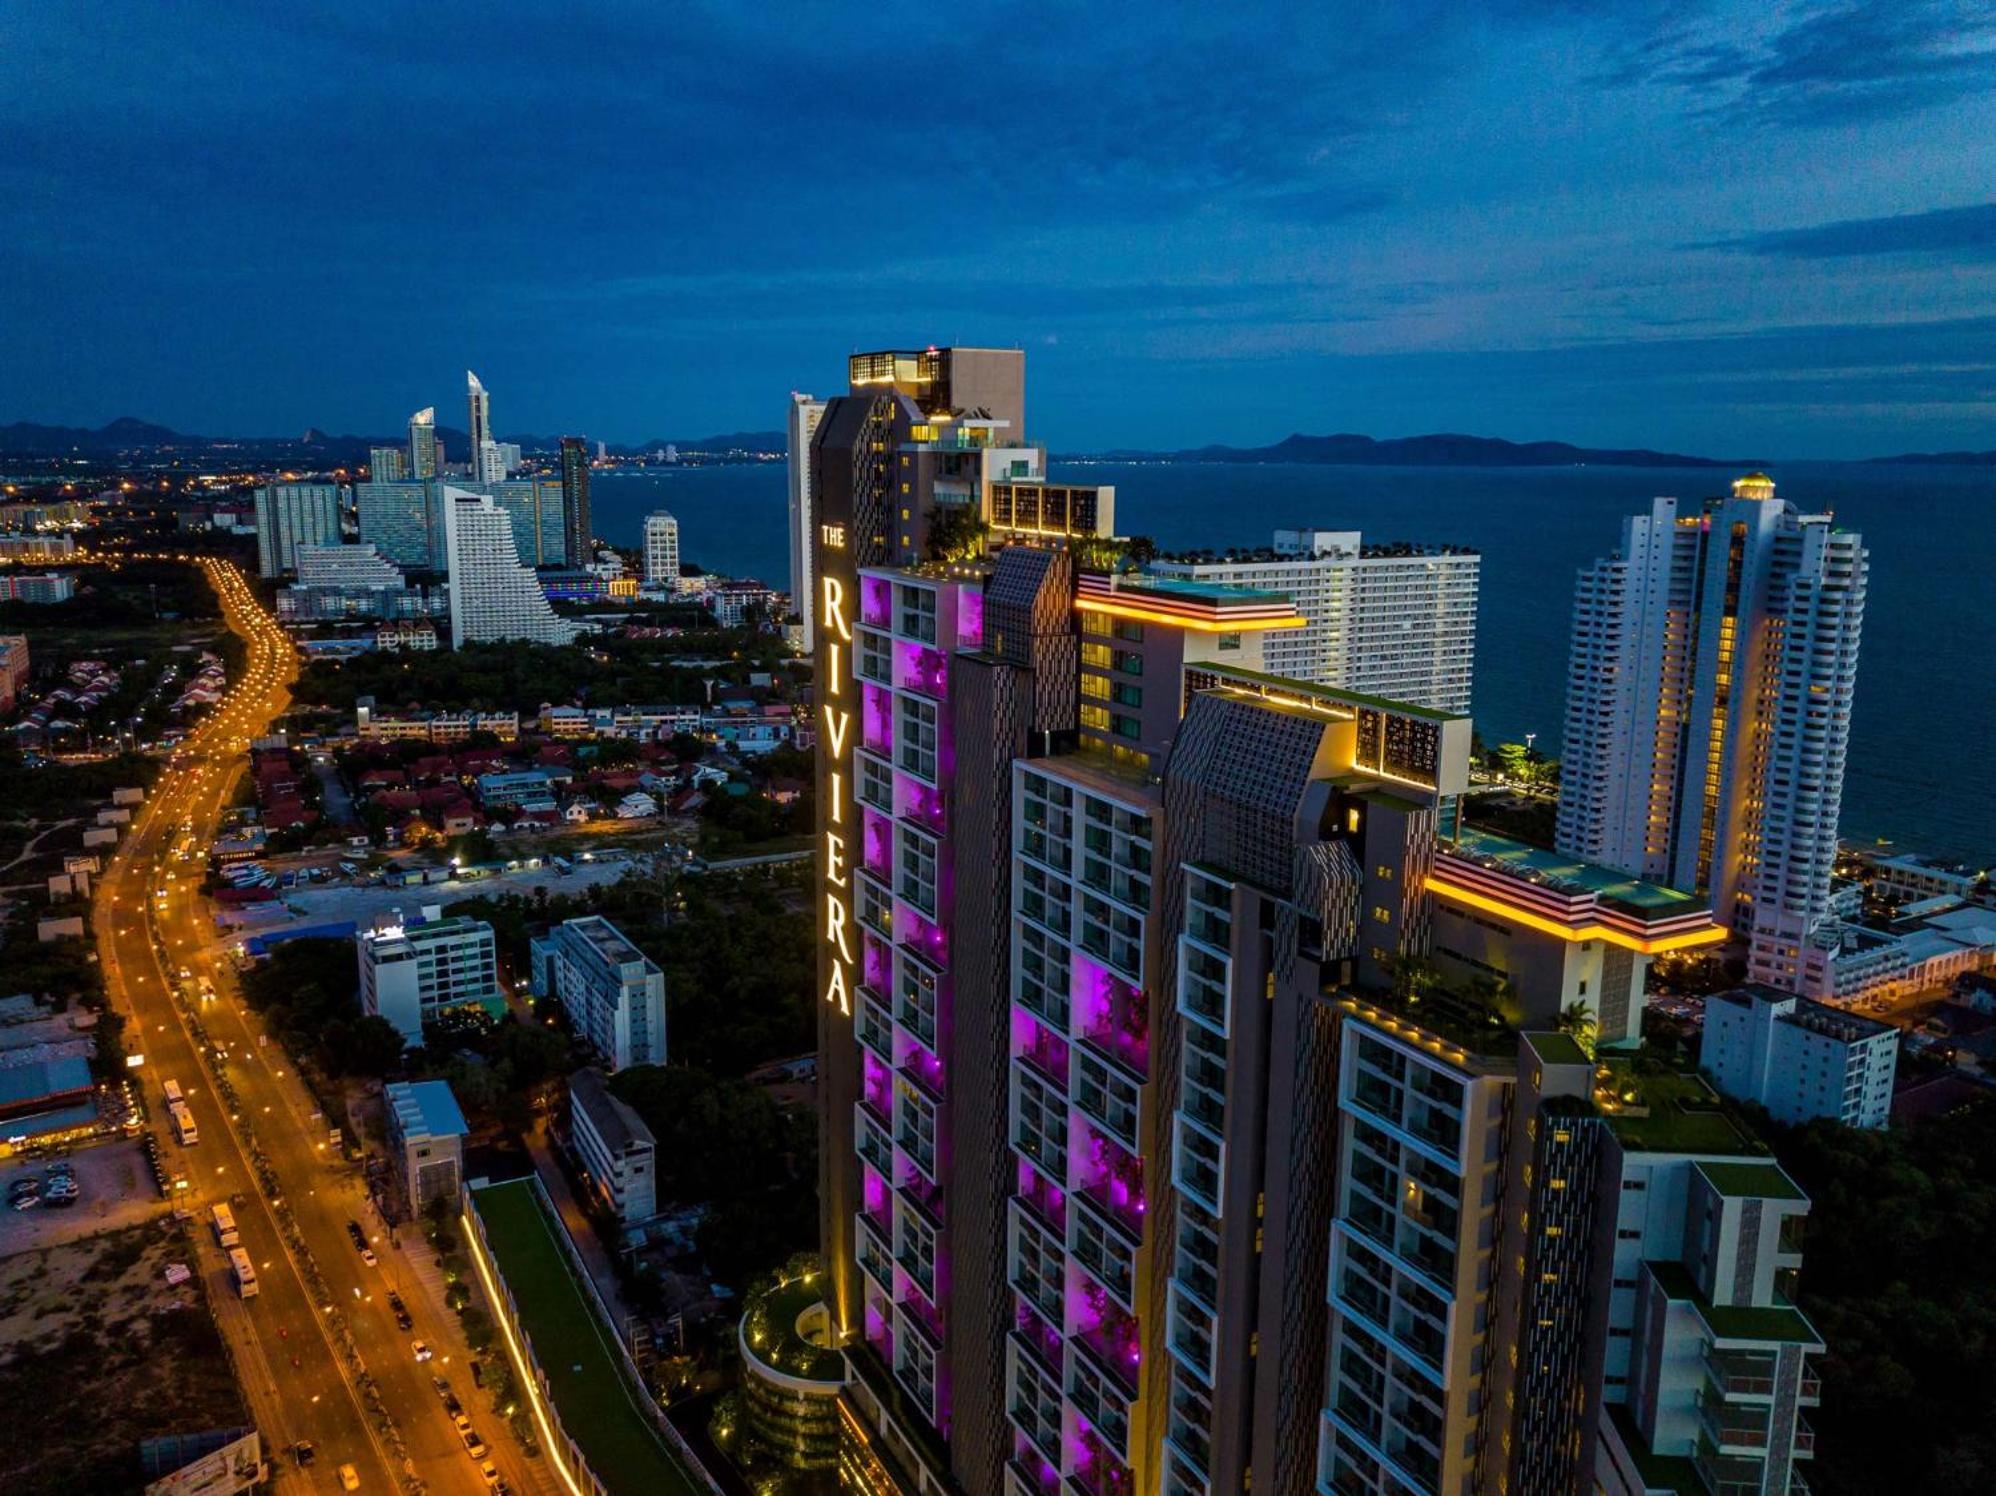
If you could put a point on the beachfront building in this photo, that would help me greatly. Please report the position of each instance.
(493, 595)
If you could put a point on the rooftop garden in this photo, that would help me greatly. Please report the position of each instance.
(1655, 1109)
(770, 1324)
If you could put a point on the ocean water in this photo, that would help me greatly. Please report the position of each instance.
(1923, 741)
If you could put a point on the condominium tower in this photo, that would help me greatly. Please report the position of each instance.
(1709, 691)
(479, 406)
(1108, 914)
(805, 413)
(1397, 621)
(424, 454)
(493, 596)
(661, 549)
(406, 520)
(290, 515)
(387, 464)
(575, 516)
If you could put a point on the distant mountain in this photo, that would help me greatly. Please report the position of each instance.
(1442, 450)
(1937, 459)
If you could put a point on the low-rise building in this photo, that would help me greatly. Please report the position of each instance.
(431, 727)
(613, 992)
(43, 587)
(411, 973)
(1799, 1058)
(13, 668)
(426, 1131)
(1911, 876)
(614, 1147)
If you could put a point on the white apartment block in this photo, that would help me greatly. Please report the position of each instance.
(613, 992)
(291, 515)
(614, 1147)
(360, 566)
(493, 596)
(805, 413)
(1397, 621)
(1800, 1059)
(1910, 876)
(411, 973)
(1713, 665)
(661, 549)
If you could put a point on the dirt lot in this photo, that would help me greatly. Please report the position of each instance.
(96, 1352)
(116, 1191)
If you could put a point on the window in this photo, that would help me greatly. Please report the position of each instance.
(917, 613)
(1203, 1070)
(1103, 1253)
(1113, 935)
(917, 882)
(876, 657)
(1035, 1404)
(915, 736)
(1129, 662)
(1199, 1157)
(915, 1000)
(915, 1365)
(915, 1246)
(1229, 642)
(1190, 1333)
(1125, 694)
(1044, 899)
(1038, 1268)
(1039, 1123)
(876, 784)
(1108, 1097)
(1043, 977)
(1094, 718)
(917, 1130)
(1129, 630)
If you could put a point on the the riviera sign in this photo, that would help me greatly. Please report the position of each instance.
(838, 744)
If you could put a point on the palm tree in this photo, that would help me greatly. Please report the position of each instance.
(1577, 1019)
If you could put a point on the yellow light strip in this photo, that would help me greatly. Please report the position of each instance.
(549, 1441)
(1093, 603)
(1710, 935)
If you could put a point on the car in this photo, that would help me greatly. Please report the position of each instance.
(304, 1453)
(491, 1473)
(27, 1184)
(421, 1349)
(401, 1312)
(462, 1423)
(442, 1384)
(367, 1256)
(452, 1406)
(26, 1202)
(359, 1236)
(475, 1445)
(349, 1478)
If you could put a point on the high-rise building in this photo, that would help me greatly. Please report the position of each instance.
(409, 974)
(403, 521)
(613, 992)
(387, 464)
(289, 515)
(1110, 917)
(493, 595)
(1713, 666)
(575, 517)
(425, 456)
(1397, 620)
(661, 549)
(1798, 1058)
(805, 413)
(479, 404)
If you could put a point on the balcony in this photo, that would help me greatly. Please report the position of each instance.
(1805, 1440)
(874, 1258)
(1097, 1472)
(1115, 1183)
(1733, 1432)
(1811, 1390)
(917, 1310)
(1041, 1052)
(1111, 1347)
(1100, 1403)
(1045, 1200)
(1040, 1339)
(1735, 1375)
(1724, 1476)
(924, 1069)
(1115, 1019)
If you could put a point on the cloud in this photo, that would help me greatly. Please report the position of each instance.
(1834, 64)
(1961, 234)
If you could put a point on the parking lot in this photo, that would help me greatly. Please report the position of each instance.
(115, 1190)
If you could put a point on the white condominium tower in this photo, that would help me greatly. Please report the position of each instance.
(480, 428)
(661, 548)
(493, 596)
(1708, 704)
(805, 413)
(1397, 621)
(422, 446)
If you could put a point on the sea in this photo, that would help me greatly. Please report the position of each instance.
(1923, 738)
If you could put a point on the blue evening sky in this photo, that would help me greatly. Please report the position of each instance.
(1725, 228)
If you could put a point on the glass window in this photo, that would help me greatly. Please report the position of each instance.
(915, 736)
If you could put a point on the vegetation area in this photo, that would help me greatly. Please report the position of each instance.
(36, 796)
(505, 676)
(306, 989)
(97, 1353)
(1899, 1277)
(136, 596)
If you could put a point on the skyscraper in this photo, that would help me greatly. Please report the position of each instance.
(1709, 691)
(480, 429)
(493, 596)
(1395, 620)
(404, 521)
(387, 464)
(424, 456)
(661, 549)
(575, 501)
(1158, 993)
(290, 515)
(805, 413)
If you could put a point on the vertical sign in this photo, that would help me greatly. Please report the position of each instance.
(838, 746)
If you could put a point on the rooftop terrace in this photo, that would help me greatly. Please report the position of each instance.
(1557, 871)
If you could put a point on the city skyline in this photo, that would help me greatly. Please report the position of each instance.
(1525, 223)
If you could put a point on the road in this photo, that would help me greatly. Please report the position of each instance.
(317, 1349)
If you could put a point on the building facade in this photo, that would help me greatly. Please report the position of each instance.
(1713, 667)
(1799, 1058)
(425, 454)
(614, 1147)
(799, 428)
(577, 522)
(291, 515)
(613, 993)
(410, 973)
(661, 549)
(1396, 621)
(484, 452)
(387, 464)
(494, 596)
(426, 1132)
(37, 587)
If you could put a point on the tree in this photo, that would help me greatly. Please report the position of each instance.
(1577, 1018)
(372, 1048)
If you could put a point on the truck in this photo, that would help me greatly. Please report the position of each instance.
(225, 1227)
(245, 1272)
(171, 1090)
(183, 1124)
